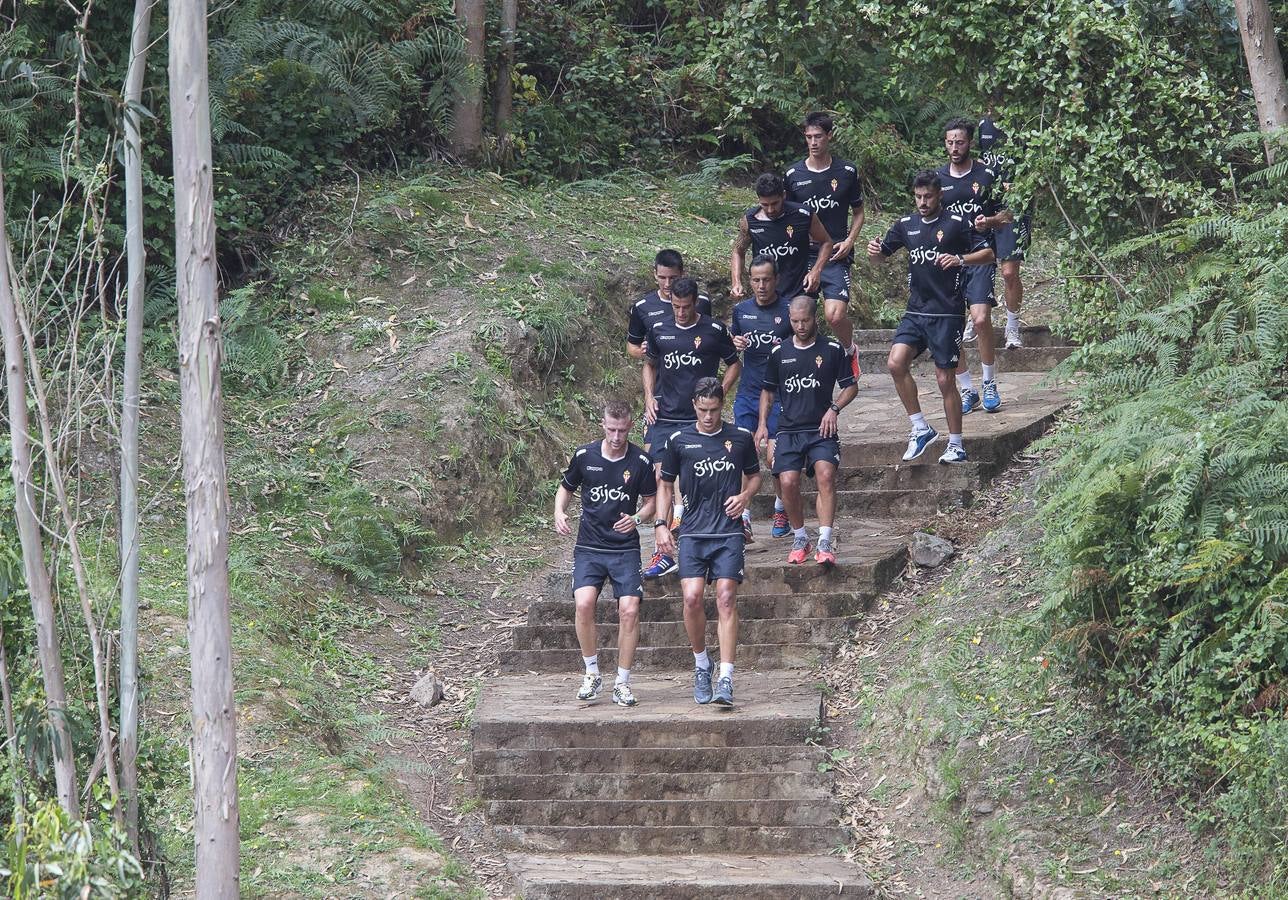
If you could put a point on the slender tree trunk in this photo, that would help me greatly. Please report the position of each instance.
(33, 551)
(505, 69)
(214, 731)
(467, 124)
(129, 687)
(11, 735)
(1265, 66)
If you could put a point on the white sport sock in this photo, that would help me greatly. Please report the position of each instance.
(746, 515)
(778, 505)
(989, 371)
(623, 675)
(726, 670)
(677, 511)
(919, 421)
(1012, 319)
(825, 532)
(592, 664)
(701, 660)
(800, 532)
(964, 381)
(955, 440)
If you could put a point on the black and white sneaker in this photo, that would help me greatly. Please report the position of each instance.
(590, 687)
(724, 691)
(622, 695)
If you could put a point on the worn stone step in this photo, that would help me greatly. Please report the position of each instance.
(541, 711)
(584, 876)
(665, 634)
(678, 785)
(636, 760)
(750, 607)
(674, 658)
(679, 839)
(810, 810)
(920, 474)
(1031, 335)
(900, 503)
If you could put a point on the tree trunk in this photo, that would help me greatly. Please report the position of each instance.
(214, 732)
(136, 260)
(11, 738)
(33, 551)
(467, 124)
(1265, 66)
(505, 69)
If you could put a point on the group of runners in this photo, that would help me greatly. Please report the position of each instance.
(694, 478)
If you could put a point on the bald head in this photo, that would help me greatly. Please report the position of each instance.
(803, 315)
(804, 303)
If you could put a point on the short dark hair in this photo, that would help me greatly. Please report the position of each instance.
(764, 259)
(617, 409)
(684, 287)
(960, 124)
(818, 119)
(770, 184)
(669, 259)
(707, 388)
(927, 178)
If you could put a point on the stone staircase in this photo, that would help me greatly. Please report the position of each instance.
(670, 799)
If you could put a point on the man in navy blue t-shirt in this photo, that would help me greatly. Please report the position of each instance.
(613, 475)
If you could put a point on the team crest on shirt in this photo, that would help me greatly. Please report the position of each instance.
(790, 229)
(728, 446)
(697, 341)
(939, 236)
(835, 183)
(818, 362)
(975, 187)
(626, 476)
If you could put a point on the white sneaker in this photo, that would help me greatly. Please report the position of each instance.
(622, 695)
(969, 334)
(590, 687)
(954, 454)
(1013, 341)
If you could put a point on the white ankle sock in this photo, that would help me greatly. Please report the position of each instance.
(701, 660)
(965, 382)
(989, 373)
(623, 675)
(1012, 319)
(778, 505)
(800, 532)
(726, 670)
(919, 421)
(824, 532)
(592, 664)
(955, 440)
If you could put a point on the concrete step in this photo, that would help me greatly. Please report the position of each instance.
(678, 785)
(585, 876)
(679, 839)
(1024, 359)
(671, 659)
(666, 634)
(631, 760)
(809, 810)
(920, 474)
(1032, 335)
(900, 504)
(750, 607)
(542, 712)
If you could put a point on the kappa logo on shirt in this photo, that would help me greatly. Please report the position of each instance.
(594, 468)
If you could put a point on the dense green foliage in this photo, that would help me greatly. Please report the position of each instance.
(1168, 518)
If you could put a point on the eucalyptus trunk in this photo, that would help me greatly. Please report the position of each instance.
(1265, 67)
(467, 124)
(505, 68)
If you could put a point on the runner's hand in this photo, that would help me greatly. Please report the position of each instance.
(842, 250)
(624, 525)
(740, 342)
(762, 438)
(948, 261)
(874, 249)
(650, 410)
(812, 279)
(665, 542)
(734, 506)
(982, 223)
(827, 426)
(561, 523)
(737, 291)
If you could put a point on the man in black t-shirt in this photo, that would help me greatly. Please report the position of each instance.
(613, 475)
(668, 268)
(939, 246)
(785, 231)
(1011, 239)
(719, 472)
(831, 188)
(972, 191)
(678, 353)
(802, 372)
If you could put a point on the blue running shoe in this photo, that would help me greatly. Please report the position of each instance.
(724, 692)
(660, 565)
(702, 684)
(954, 454)
(918, 441)
(970, 400)
(782, 527)
(992, 399)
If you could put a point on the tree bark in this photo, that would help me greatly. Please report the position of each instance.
(136, 284)
(214, 732)
(1265, 67)
(11, 737)
(505, 69)
(467, 124)
(33, 551)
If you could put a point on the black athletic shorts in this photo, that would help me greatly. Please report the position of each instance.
(1013, 239)
(797, 451)
(941, 335)
(591, 568)
(712, 558)
(979, 284)
(655, 435)
(834, 283)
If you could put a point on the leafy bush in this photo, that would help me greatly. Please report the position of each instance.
(49, 856)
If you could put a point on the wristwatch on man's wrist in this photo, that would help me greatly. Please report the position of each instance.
(961, 260)
(636, 519)
(834, 407)
(660, 523)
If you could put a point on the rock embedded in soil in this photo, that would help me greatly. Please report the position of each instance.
(428, 691)
(930, 551)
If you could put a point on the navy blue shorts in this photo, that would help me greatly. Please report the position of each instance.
(797, 451)
(655, 435)
(1013, 239)
(834, 282)
(746, 413)
(712, 558)
(979, 284)
(591, 568)
(941, 335)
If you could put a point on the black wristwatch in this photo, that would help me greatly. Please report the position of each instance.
(834, 407)
(660, 523)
